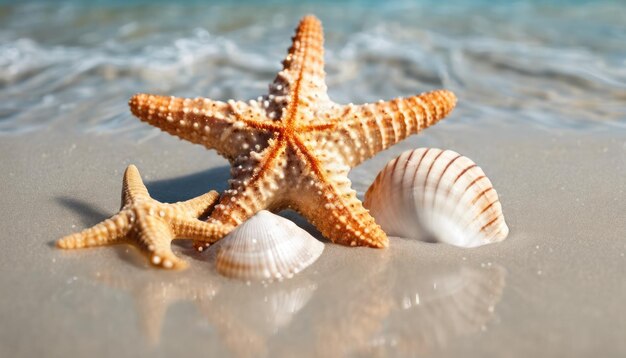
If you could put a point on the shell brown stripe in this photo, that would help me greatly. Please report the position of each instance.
(487, 207)
(430, 168)
(479, 214)
(442, 174)
(419, 163)
(473, 165)
(482, 193)
(489, 223)
(476, 180)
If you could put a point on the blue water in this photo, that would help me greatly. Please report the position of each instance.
(71, 64)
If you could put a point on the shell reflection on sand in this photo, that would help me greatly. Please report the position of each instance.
(449, 304)
(402, 312)
(388, 309)
(248, 322)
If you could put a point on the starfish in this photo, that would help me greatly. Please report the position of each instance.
(146, 223)
(293, 147)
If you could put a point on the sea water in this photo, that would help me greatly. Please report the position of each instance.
(74, 65)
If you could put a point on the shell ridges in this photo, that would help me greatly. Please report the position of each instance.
(431, 193)
(266, 247)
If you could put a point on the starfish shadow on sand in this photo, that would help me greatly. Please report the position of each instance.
(166, 190)
(89, 214)
(189, 186)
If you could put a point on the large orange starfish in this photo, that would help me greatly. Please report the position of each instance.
(293, 147)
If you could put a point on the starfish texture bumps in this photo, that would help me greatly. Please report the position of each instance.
(293, 147)
(146, 223)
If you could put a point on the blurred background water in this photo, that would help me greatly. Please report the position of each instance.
(549, 63)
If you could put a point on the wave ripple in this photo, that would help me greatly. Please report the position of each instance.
(71, 65)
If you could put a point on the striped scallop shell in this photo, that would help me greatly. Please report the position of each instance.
(433, 194)
(267, 247)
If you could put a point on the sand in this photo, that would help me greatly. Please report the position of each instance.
(555, 287)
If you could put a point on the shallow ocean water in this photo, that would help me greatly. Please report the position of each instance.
(542, 109)
(556, 64)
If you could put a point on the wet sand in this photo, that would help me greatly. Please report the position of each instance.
(555, 287)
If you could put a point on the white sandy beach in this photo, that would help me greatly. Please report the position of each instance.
(557, 281)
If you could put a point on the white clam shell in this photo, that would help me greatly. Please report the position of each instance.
(267, 247)
(436, 194)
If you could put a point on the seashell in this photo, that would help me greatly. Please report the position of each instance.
(267, 247)
(433, 194)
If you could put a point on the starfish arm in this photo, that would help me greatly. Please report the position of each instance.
(256, 181)
(235, 207)
(302, 79)
(339, 215)
(199, 231)
(107, 232)
(230, 128)
(325, 197)
(364, 130)
(200, 205)
(133, 187)
(154, 239)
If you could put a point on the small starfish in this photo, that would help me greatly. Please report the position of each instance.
(146, 223)
(293, 148)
